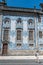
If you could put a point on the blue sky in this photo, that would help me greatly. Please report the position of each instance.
(24, 3)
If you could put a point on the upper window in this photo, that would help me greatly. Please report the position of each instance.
(6, 22)
(30, 21)
(30, 34)
(18, 34)
(6, 34)
(40, 34)
(39, 19)
(19, 20)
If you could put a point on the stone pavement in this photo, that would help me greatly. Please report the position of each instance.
(20, 60)
(18, 57)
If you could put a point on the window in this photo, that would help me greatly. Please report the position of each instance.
(18, 34)
(18, 44)
(6, 20)
(39, 19)
(41, 45)
(19, 20)
(31, 45)
(40, 34)
(30, 34)
(6, 23)
(30, 21)
(6, 35)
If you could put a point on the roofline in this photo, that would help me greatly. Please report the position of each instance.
(20, 9)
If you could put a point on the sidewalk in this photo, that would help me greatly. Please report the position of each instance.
(18, 57)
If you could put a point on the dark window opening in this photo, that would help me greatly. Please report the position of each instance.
(40, 34)
(19, 20)
(18, 44)
(6, 35)
(30, 34)
(30, 21)
(41, 45)
(39, 19)
(31, 45)
(18, 34)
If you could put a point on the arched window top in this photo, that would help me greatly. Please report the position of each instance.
(19, 20)
(6, 23)
(7, 20)
(30, 21)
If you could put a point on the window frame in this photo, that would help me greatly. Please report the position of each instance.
(4, 35)
(39, 19)
(31, 45)
(41, 34)
(19, 21)
(28, 34)
(18, 44)
(30, 22)
(7, 21)
(21, 35)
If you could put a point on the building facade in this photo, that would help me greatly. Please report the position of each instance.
(21, 30)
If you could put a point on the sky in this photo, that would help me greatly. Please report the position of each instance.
(24, 3)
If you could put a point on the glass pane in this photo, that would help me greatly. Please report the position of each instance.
(40, 34)
(18, 34)
(6, 34)
(31, 35)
